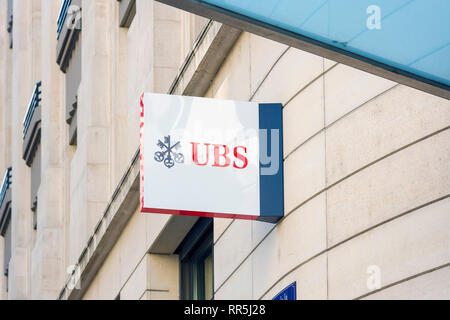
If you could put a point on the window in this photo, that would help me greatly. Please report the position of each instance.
(5, 218)
(197, 263)
(73, 80)
(69, 58)
(31, 151)
(7, 250)
(127, 11)
(9, 25)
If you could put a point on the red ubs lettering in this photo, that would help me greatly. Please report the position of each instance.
(221, 155)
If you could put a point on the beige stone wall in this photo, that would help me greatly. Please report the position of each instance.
(22, 88)
(192, 26)
(151, 64)
(90, 167)
(4, 111)
(37, 266)
(118, 65)
(48, 271)
(131, 271)
(367, 167)
(367, 180)
(147, 62)
(5, 94)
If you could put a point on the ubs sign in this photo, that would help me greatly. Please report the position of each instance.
(211, 158)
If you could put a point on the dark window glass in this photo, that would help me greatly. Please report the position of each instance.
(196, 262)
(7, 249)
(9, 25)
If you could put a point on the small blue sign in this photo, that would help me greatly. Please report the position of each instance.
(288, 293)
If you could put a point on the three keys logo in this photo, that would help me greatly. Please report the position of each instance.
(168, 154)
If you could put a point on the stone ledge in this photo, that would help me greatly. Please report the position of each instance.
(203, 62)
(119, 210)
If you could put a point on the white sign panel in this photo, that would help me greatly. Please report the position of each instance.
(211, 158)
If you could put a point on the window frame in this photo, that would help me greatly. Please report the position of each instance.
(69, 59)
(127, 12)
(195, 248)
(10, 21)
(31, 146)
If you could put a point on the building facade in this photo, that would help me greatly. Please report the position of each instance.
(366, 164)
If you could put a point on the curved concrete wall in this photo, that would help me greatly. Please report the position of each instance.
(367, 180)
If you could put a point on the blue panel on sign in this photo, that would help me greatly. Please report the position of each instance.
(407, 35)
(271, 162)
(288, 293)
